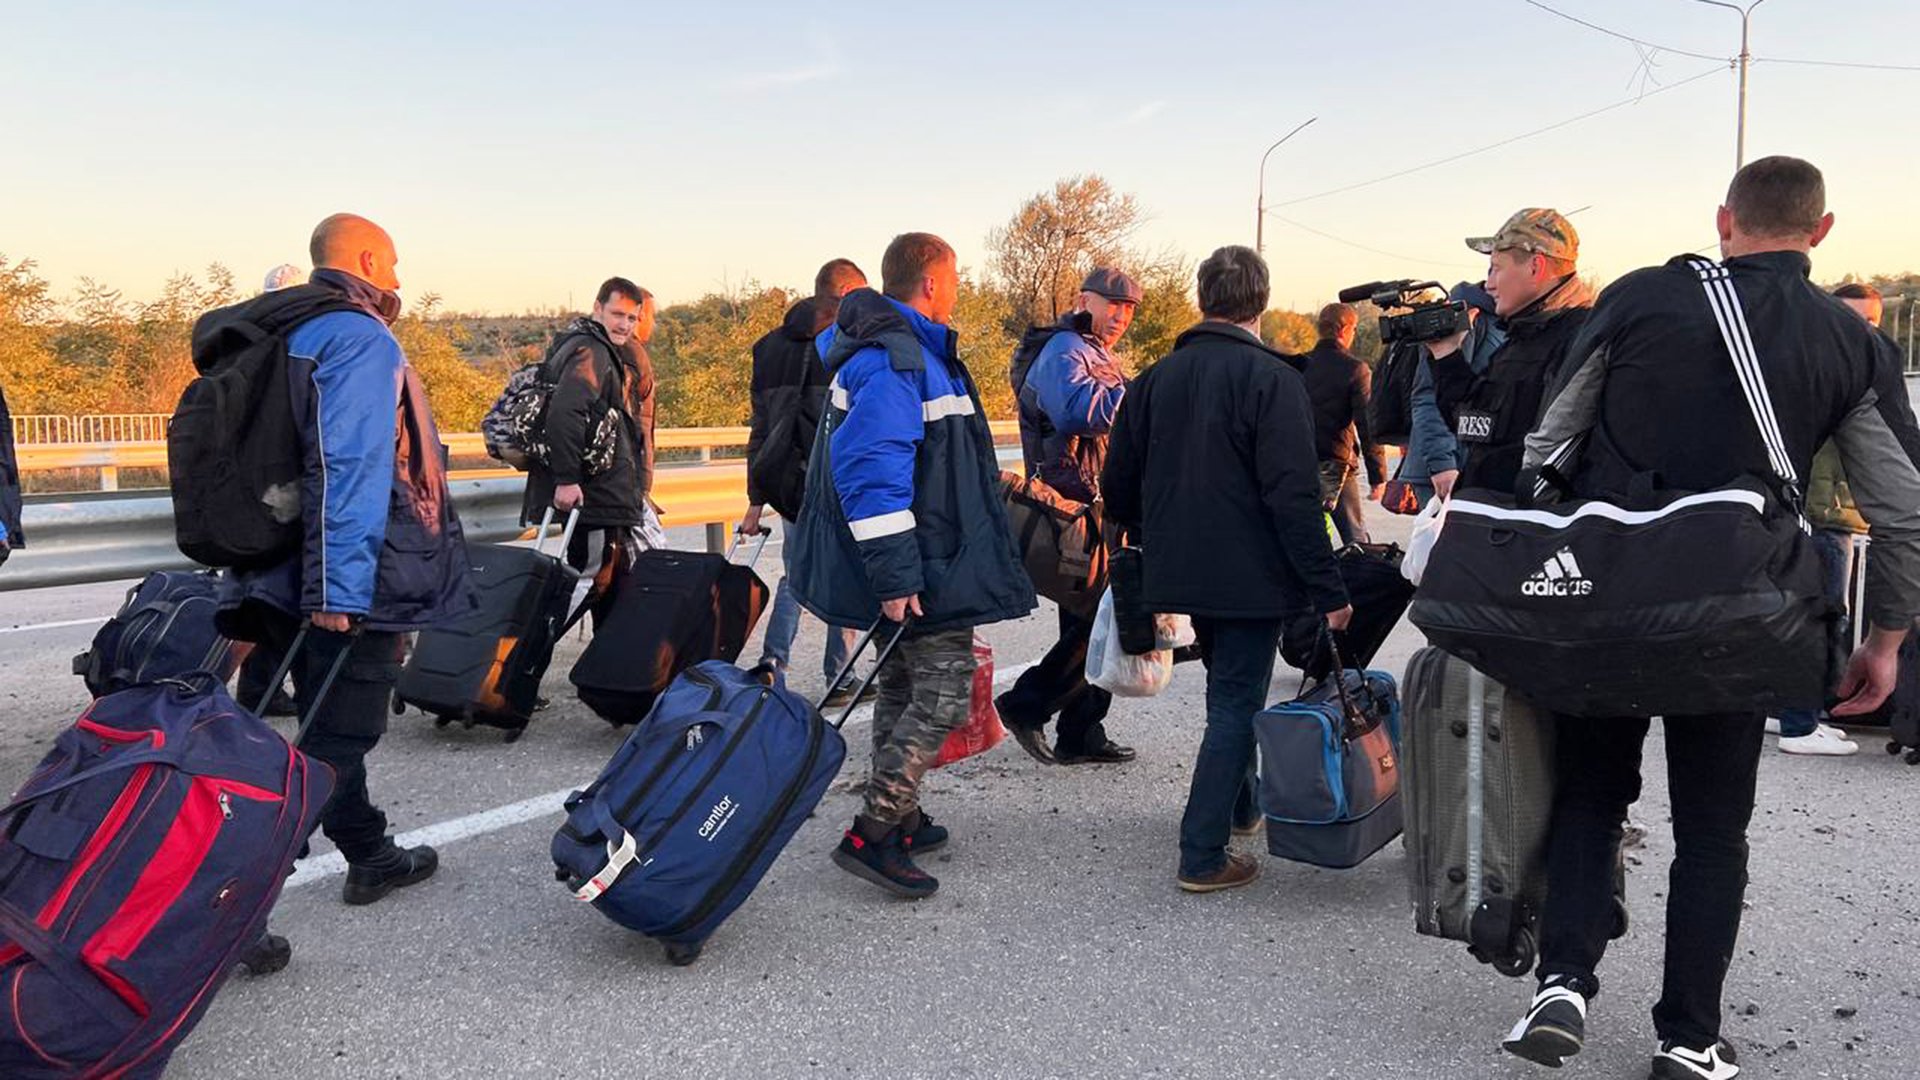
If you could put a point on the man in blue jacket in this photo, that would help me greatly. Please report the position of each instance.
(383, 552)
(1068, 399)
(902, 520)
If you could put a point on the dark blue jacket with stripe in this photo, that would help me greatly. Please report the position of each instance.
(382, 540)
(903, 490)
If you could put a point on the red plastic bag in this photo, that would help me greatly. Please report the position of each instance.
(983, 730)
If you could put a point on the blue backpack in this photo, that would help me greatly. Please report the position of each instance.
(164, 630)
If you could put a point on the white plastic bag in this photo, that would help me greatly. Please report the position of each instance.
(1172, 631)
(1426, 533)
(1112, 670)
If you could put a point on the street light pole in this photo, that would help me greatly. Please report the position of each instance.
(1746, 59)
(1260, 203)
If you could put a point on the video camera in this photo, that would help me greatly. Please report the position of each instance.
(1422, 320)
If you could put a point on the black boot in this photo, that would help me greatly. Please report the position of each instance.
(394, 868)
(267, 955)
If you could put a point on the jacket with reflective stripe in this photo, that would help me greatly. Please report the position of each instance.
(903, 487)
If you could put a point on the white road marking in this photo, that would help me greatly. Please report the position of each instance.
(53, 625)
(320, 867)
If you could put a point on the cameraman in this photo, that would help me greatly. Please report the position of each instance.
(1431, 447)
(1540, 303)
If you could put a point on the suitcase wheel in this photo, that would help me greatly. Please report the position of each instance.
(1913, 756)
(398, 705)
(513, 734)
(1520, 959)
(1622, 919)
(442, 721)
(1893, 748)
(681, 955)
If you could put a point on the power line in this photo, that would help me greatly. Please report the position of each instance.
(1835, 63)
(1496, 145)
(1625, 37)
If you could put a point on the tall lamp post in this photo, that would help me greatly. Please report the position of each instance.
(1746, 59)
(1260, 204)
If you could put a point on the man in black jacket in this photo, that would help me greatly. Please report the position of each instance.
(10, 534)
(1651, 379)
(596, 455)
(789, 395)
(1338, 384)
(1226, 506)
(1541, 304)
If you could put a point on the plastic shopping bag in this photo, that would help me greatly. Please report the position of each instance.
(983, 730)
(1112, 669)
(1426, 533)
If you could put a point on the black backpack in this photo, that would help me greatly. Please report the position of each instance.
(1031, 342)
(1390, 403)
(235, 462)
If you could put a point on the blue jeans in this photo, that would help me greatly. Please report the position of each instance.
(783, 624)
(1835, 548)
(1238, 654)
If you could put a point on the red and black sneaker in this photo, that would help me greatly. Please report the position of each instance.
(884, 862)
(925, 837)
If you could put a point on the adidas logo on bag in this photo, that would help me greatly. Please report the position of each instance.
(1559, 577)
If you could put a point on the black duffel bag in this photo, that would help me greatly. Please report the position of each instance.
(1677, 604)
(1379, 595)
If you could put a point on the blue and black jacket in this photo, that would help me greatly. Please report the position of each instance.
(1067, 405)
(903, 486)
(382, 539)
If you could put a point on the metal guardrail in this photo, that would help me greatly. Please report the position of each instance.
(98, 536)
(42, 428)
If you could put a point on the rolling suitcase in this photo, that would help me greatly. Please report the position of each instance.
(1900, 714)
(164, 630)
(673, 610)
(1379, 594)
(1329, 775)
(701, 798)
(1478, 771)
(143, 854)
(485, 667)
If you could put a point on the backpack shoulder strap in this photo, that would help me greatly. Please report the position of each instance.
(1724, 300)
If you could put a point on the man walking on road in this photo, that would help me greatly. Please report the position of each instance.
(903, 521)
(1651, 372)
(789, 394)
(1338, 384)
(1212, 466)
(383, 553)
(1068, 399)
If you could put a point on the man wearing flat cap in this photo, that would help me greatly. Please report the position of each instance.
(1540, 302)
(1068, 398)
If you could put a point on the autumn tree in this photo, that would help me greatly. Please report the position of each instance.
(1040, 256)
(461, 391)
(703, 355)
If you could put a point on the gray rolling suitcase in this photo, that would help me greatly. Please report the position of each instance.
(1477, 793)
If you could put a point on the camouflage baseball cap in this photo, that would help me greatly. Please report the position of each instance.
(1542, 232)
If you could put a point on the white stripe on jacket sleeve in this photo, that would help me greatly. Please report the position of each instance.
(874, 528)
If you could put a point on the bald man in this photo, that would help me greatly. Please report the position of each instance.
(382, 552)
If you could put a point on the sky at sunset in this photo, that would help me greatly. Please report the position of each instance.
(521, 152)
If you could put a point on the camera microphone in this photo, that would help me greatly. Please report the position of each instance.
(1358, 293)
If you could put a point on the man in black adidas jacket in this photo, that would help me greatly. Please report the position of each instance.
(1651, 385)
(1541, 304)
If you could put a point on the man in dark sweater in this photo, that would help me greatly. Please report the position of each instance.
(1338, 384)
(1212, 467)
(789, 394)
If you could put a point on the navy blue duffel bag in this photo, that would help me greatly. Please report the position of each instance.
(1330, 772)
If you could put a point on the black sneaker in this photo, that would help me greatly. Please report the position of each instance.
(267, 955)
(1676, 1062)
(884, 862)
(926, 837)
(394, 868)
(1555, 1027)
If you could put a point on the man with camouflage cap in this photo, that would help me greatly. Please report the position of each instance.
(1541, 303)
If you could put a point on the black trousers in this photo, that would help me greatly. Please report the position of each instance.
(349, 724)
(256, 671)
(1712, 764)
(1058, 684)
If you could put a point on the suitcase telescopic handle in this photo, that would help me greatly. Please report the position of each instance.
(898, 632)
(566, 531)
(326, 684)
(760, 545)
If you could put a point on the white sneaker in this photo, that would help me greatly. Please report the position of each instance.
(1675, 1062)
(1773, 725)
(1824, 741)
(1833, 731)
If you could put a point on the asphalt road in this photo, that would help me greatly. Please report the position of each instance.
(1057, 946)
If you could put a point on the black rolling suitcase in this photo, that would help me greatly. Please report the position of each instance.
(1379, 595)
(485, 667)
(673, 610)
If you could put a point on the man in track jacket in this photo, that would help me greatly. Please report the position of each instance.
(903, 520)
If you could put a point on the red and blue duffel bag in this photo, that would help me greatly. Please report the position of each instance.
(138, 860)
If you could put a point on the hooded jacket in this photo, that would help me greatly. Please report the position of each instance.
(1067, 405)
(903, 488)
(1212, 470)
(1491, 411)
(382, 539)
(789, 395)
(590, 376)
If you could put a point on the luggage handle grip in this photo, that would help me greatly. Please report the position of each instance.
(1352, 726)
(566, 531)
(853, 657)
(740, 537)
(326, 684)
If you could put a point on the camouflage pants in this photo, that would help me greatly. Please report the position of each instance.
(925, 691)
